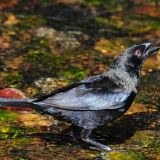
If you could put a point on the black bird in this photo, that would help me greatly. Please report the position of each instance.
(92, 102)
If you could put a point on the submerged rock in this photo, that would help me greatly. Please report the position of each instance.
(61, 39)
(49, 84)
(46, 32)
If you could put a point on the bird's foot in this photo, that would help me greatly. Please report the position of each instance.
(105, 148)
(98, 146)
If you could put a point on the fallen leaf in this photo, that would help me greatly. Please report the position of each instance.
(33, 120)
(12, 20)
(107, 47)
(151, 10)
(13, 63)
(136, 108)
(13, 93)
(5, 42)
(7, 4)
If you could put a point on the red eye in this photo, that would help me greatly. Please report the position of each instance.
(138, 53)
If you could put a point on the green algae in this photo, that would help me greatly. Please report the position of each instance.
(36, 44)
(7, 132)
(155, 143)
(112, 6)
(6, 129)
(130, 155)
(143, 138)
(10, 128)
(40, 56)
(8, 116)
(44, 59)
(148, 21)
(30, 21)
(14, 79)
(42, 63)
(73, 74)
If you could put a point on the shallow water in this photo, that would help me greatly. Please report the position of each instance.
(48, 45)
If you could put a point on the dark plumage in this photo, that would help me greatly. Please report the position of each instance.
(95, 100)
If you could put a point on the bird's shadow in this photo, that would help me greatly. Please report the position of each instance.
(116, 133)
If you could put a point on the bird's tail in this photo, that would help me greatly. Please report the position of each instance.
(22, 102)
(30, 103)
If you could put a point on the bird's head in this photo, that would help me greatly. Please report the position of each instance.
(132, 59)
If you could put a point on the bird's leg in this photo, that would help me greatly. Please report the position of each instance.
(74, 133)
(85, 137)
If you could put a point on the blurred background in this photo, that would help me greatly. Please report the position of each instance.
(47, 44)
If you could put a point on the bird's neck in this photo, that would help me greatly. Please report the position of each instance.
(123, 79)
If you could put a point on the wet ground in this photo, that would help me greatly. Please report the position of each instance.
(45, 45)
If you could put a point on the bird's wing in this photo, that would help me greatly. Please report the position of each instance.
(89, 94)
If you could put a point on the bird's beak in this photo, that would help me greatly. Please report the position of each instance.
(149, 49)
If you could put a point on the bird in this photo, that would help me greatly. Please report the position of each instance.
(96, 100)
